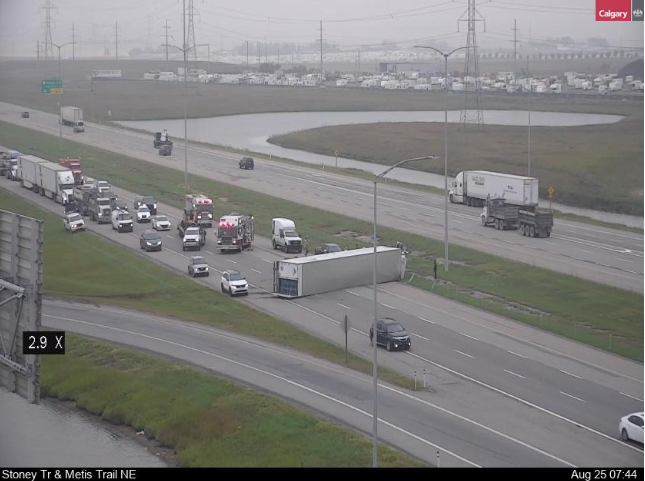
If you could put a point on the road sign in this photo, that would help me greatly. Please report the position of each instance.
(336, 153)
(56, 91)
(550, 191)
(48, 85)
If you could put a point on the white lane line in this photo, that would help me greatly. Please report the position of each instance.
(389, 307)
(231, 260)
(470, 337)
(625, 260)
(426, 320)
(633, 397)
(573, 397)
(169, 236)
(293, 383)
(514, 373)
(255, 270)
(343, 305)
(270, 262)
(588, 252)
(523, 401)
(548, 242)
(352, 293)
(420, 336)
(456, 221)
(569, 374)
(468, 355)
(211, 253)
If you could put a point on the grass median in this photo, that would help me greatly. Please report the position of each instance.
(209, 421)
(88, 268)
(597, 314)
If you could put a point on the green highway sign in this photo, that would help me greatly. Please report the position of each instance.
(51, 86)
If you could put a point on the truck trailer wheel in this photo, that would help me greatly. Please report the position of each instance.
(483, 221)
(532, 231)
(522, 229)
(497, 224)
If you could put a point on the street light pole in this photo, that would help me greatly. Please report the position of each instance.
(374, 332)
(60, 77)
(445, 148)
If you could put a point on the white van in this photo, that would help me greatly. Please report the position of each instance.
(122, 221)
(284, 235)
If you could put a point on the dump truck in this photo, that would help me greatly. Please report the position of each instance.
(473, 187)
(536, 222)
(72, 116)
(531, 221)
(499, 214)
(99, 208)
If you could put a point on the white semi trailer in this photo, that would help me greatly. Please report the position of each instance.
(306, 276)
(473, 187)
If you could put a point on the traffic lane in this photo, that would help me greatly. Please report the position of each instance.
(491, 408)
(608, 369)
(295, 376)
(576, 268)
(551, 389)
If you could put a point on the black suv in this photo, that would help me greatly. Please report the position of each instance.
(246, 163)
(391, 334)
(147, 200)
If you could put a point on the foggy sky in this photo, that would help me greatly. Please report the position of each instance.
(350, 23)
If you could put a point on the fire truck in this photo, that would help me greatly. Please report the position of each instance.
(75, 166)
(199, 210)
(235, 232)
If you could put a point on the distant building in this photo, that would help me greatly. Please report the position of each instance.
(423, 67)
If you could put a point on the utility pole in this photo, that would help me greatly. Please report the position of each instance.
(247, 54)
(321, 53)
(116, 38)
(49, 49)
(185, 51)
(38, 49)
(515, 41)
(528, 74)
(259, 59)
(278, 55)
(166, 35)
(73, 43)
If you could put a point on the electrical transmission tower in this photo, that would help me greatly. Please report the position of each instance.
(191, 43)
(472, 112)
(48, 48)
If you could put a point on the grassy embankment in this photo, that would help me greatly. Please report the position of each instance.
(596, 167)
(209, 421)
(91, 269)
(599, 315)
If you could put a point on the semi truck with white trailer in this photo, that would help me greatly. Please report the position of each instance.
(473, 187)
(56, 182)
(28, 173)
(72, 116)
(306, 276)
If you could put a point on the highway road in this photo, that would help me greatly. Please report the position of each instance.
(602, 255)
(541, 389)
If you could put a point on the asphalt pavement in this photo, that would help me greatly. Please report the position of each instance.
(540, 389)
(599, 254)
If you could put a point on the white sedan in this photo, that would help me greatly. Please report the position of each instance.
(631, 427)
(160, 222)
(143, 214)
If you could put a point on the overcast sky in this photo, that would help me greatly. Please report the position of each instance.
(351, 23)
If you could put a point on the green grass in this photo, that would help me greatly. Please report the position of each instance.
(595, 167)
(595, 312)
(88, 268)
(209, 421)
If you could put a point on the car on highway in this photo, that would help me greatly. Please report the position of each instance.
(234, 283)
(146, 200)
(327, 248)
(150, 241)
(74, 222)
(391, 334)
(143, 214)
(631, 427)
(247, 163)
(160, 222)
(197, 266)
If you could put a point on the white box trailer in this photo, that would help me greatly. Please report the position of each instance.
(306, 276)
(472, 187)
(56, 182)
(27, 172)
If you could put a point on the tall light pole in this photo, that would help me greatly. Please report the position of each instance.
(374, 332)
(60, 77)
(185, 49)
(445, 148)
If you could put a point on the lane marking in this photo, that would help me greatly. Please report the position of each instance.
(515, 354)
(470, 337)
(463, 353)
(231, 260)
(633, 397)
(514, 373)
(343, 305)
(270, 262)
(569, 374)
(426, 320)
(420, 336)
(352, 293)
(255, 270)
(389, 307)
(573, 397)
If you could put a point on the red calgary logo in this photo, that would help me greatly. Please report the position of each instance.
(613, 10)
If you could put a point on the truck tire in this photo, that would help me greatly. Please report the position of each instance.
(483, 221)
(497, 224)
(522, 229)
(548, 233)
(532, 231)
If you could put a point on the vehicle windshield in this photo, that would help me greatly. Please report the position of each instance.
(204, 209)
(223, 231)
(67, 186)
(198, 260)
(192, 231)
(124, 217)
(103, 183)
(237, 277)
(290, 233)
(148, 200)
(395, 328)
(162, 218)
(144, 208)
(75, 218)
(151, 236)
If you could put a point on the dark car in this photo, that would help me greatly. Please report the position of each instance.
(146, 200)
(165, 150)
(246, 163)
(25, 115)
(327, 248)
(150, 241)
(391, 334)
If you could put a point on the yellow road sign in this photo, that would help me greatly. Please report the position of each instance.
(336, 153)
(551, 191)
(56, 91)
